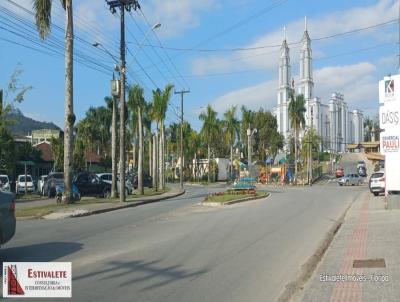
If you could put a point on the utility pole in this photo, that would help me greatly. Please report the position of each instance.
(182, 92)
(122, 5)
(250, 134)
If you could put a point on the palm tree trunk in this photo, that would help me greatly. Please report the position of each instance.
(69, 109)
(150, 155)
(141, 153)
(161, 157)
(208, 163)
(231, 166)
(155, 161)
(114, 149)
(295, 155)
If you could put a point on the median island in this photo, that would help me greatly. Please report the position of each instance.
(233, 196)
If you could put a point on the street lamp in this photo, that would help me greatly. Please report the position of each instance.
(140, 45)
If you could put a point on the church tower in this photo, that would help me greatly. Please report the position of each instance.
(306, 84)
(283, 88)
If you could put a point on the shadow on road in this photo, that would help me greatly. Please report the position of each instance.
(146, 271)
(42, 252)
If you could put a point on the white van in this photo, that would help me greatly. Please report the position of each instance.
(20, 184)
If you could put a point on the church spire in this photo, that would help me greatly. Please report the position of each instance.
(284, 63)
(306, 78)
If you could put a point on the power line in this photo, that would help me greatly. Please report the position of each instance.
(166, 53)
(316, 59)
(240, 49)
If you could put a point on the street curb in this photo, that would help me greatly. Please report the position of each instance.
(308, 268)
(129, 205)
(207, 203)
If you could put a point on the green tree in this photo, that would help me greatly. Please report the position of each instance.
(231, 129)
(42, 9)
(13, 95)
(209, 131)
(57, 148)
(296, 118)
(79, 155)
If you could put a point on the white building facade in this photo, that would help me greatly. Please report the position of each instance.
(333, 122)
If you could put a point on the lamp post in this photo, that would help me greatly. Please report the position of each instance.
(140, 45)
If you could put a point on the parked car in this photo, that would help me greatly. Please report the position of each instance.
(147, 181)
(53, 180)
(40, 184)
(362, 171)
(107, 177)
(7, 216)
(4, 183)
(350, 179)
(377, 183)
(23, 182)
(339, 172)
(361, 163)
(89, 184)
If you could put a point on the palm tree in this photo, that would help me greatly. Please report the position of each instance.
(161, 100)
(137, 102)
(42, 10)
(209, 131)
(232, 128)
(296, 117)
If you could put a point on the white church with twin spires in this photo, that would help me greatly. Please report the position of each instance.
(334, 123)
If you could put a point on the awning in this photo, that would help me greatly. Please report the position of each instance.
(25, 162)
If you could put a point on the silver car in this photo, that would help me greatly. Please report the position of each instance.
(350, 179)
(4, 183)
(107, 177)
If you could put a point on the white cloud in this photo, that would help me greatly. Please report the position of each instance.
(253, 97)
(356, 82)
(177, 16)
(325, 25)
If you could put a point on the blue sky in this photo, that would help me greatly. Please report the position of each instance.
(351, 64)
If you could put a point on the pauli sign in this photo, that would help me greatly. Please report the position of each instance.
(390, 143)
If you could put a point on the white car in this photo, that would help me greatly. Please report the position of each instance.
(377, 183)
(40, 184)
(4, 183)
(20, 184)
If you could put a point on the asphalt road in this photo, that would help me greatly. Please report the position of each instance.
(177, 250)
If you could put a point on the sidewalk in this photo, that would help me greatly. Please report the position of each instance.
(97, 208)
(368, 232)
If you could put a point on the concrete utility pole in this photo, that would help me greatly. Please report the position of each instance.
(250, 134)
(182, 92)
(122, 5)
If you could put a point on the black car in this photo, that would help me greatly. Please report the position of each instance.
(147, 181)
(89, 184)
(7, 216)
(53, 179)
(362, 171)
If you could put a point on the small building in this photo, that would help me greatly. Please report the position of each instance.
(44, 135)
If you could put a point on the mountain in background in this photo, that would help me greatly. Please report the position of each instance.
(23, 125)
